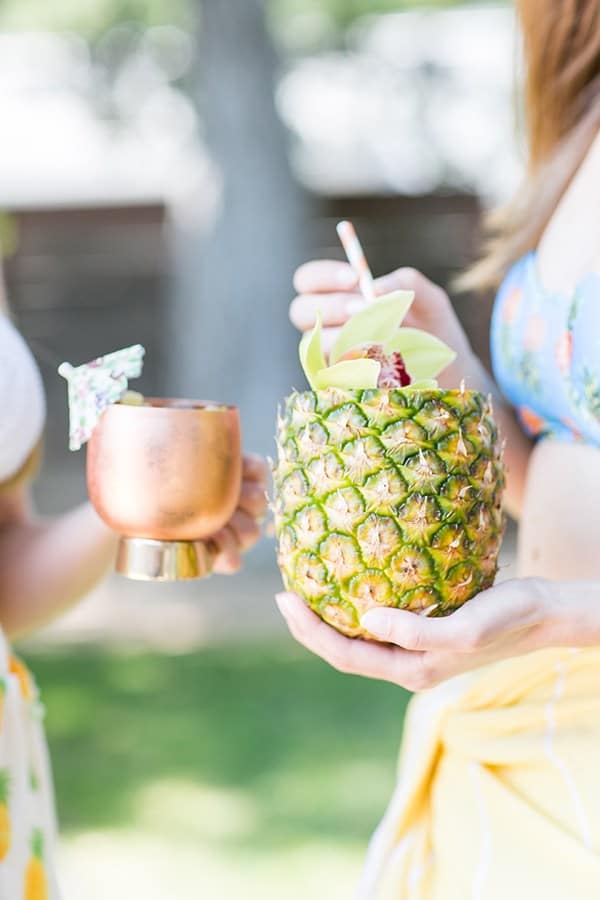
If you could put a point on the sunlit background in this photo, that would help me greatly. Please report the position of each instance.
(164, 166)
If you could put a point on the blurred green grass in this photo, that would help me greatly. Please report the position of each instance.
(245, 751)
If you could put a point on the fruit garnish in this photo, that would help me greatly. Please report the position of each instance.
(373, 350)
(393, 372)
(132, 398)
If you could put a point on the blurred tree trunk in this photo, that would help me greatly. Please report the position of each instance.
(231, 339)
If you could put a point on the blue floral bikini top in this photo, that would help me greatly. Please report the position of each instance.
(546, 353)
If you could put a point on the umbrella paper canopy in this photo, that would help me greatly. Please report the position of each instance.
(95, 385)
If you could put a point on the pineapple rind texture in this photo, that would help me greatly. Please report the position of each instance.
(387, 498)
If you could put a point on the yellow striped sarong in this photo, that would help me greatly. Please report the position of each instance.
(498, 795)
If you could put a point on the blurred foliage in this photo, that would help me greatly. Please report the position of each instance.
(93, 17)
(344, 12)
(314, 751)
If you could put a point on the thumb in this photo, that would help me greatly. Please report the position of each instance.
(413, 632)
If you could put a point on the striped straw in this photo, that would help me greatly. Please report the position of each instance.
(357, 259)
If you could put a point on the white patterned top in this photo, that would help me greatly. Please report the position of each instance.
(22, 401)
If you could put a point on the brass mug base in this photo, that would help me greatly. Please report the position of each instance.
(143, 559)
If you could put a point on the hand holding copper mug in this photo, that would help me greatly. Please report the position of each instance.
(166, 475)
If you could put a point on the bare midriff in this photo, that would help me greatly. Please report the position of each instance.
(559, 535)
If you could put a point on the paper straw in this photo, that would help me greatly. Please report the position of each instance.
(357, 259)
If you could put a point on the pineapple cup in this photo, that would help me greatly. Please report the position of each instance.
(387, 496)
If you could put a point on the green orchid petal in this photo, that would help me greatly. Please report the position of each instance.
(426, 384)
(351, 374)
(374, 323)
(311, 353)
(424, 355)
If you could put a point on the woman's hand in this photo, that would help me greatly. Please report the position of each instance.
(332, 288)
(48, 566)
(243, 529)
(514, 618)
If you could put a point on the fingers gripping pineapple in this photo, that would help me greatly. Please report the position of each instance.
(387, 489)
(36, 884)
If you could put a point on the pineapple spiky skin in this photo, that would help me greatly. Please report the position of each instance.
(387, 498)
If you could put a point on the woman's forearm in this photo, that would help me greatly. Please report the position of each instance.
(574, 613)
(518, 446)
(48, 566)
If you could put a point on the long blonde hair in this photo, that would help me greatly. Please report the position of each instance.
(561, 41)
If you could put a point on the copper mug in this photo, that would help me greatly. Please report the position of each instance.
(165, 476)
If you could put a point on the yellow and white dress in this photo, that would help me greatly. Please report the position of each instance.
(27, 818)
(498, 794)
